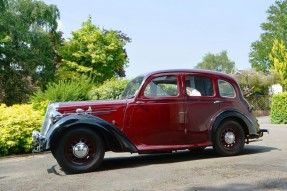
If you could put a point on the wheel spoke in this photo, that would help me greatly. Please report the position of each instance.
(80, 149)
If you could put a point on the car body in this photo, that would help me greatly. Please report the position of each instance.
(161, 111)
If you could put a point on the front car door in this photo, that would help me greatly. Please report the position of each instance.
(157, 119)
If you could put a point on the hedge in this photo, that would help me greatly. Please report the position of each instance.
(279, 108)
(109, 90)
(64, 90)
(16, 125)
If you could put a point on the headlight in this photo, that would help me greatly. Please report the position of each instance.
(51, 117)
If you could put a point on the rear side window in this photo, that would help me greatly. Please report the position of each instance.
(199, 86)
(162, 86)
(226, 89)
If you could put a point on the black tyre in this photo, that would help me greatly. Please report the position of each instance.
(79, 150)
(229, 138)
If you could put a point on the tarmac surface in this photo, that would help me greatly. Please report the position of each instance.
(261, 166)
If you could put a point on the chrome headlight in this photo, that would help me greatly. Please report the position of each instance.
(52, 116)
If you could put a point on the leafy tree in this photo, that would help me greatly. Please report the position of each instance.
(274, 28)
(218, 62)
(94, 52)
(278, 58)
(252, 81)
(28, 38)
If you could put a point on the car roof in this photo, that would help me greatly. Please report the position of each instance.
(195, 71)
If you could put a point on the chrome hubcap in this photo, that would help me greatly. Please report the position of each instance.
(229, 137)
(80, 150)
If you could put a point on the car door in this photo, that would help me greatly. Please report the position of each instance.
(201, 104)
(157, 118)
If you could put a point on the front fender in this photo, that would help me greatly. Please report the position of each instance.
(115, 140)
(252, 127)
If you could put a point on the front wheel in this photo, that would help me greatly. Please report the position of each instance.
(79, 150)
(229, 138)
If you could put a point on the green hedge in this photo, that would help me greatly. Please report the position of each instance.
(16, 125)
(279, 108)
(111, 89)
(64, 90)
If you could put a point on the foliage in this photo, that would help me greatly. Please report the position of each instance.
(278, 57)
(95, 53)
(111, 89)
(251, 81)
(279, 108)
(274, 28)
(218, 62)
(64, 90)
(28, 39)
(16, 125)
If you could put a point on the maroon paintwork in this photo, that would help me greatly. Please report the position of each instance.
(168, 122)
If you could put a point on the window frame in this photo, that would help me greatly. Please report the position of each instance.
(151, 78)
(213, 85)
(231, 85)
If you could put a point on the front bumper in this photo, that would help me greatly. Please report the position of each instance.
(39, 142)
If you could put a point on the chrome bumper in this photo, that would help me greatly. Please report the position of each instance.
(38, 142)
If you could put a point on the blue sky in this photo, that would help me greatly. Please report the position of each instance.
(172, 34)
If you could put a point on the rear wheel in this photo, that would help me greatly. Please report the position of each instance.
(80, 150)
(229, 138)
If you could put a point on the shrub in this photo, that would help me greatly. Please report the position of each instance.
(64, 90)
(111, 89)
(16, 125)
(279, 108)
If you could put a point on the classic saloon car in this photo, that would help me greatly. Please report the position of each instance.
(161, 111)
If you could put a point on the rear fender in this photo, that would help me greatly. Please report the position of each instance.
(114, 139)
(251, 127)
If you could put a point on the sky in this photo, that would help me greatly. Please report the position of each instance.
(172, 34)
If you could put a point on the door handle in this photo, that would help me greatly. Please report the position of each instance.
(139, 102)
(217, 101)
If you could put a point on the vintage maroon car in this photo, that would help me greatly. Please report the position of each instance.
(161, 111)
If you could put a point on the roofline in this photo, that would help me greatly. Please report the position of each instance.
(199, 71)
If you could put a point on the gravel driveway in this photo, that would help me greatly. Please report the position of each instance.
(261, 166)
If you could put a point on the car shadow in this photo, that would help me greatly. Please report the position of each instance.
(180, 156)
(134, 161)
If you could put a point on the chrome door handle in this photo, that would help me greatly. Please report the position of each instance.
(139, 102)
(217, 101)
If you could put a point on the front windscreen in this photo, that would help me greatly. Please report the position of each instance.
(132, 88)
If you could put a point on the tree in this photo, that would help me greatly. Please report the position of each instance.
(252, 81)
(274, 28)
(218, 62)
(95, 53)
(28, 39)
(278, 58)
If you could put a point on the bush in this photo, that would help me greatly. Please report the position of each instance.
(64, 90)
(16, 125)
(279, 108)
(111, 89)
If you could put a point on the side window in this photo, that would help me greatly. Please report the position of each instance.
(162, 86)
(226, 89)
(199, 86)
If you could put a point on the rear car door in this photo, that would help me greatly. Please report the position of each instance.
(201, 104)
